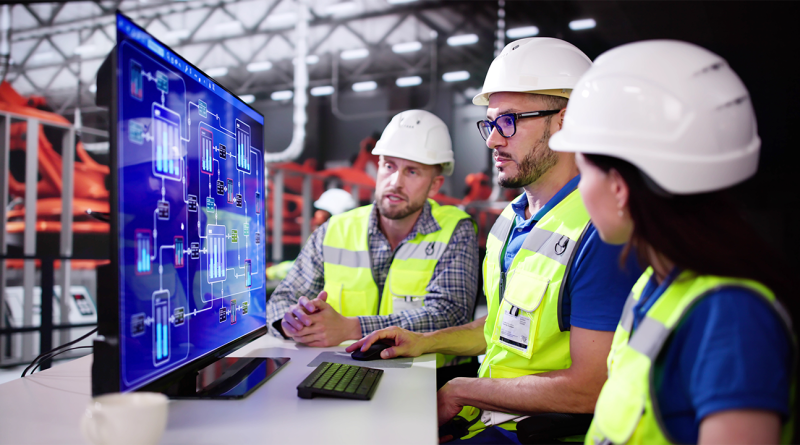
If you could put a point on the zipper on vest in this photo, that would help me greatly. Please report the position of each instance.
(502, 286)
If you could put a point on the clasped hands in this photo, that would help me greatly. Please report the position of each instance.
(316, 323)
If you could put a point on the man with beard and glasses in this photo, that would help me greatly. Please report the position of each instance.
(402, 261)
(555, 291)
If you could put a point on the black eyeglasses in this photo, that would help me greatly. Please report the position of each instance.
(506, 124)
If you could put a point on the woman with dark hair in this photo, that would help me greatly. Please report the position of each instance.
(704, 351)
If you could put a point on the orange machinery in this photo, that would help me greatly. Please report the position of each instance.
(89, 176)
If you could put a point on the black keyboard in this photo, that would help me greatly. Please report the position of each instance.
(338, 380)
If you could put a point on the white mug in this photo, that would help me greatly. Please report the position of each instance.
(125, 418)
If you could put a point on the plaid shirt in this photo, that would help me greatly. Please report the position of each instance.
(450, 294)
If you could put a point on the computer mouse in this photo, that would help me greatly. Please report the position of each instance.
(372, 353)
(457, 427)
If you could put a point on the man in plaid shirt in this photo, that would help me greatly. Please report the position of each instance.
(401, 226)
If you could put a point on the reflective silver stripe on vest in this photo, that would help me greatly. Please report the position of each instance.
(500, 228)
(344, 257)
(426, 250)
(649, 337)
(627, 313)
(550, 244)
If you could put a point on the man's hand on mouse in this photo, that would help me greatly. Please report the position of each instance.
(316, 323)
(406, 343)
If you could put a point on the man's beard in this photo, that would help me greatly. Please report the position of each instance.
(395, 213)
(534, 165)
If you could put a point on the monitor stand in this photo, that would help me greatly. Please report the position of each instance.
(226, 378)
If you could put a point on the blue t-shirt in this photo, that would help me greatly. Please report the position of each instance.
(731, 351)
(596, 285)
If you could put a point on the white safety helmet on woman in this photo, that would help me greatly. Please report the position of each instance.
(675, 110)
(418, 136)
(541, 65)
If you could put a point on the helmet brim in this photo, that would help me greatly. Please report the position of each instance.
(447, 164)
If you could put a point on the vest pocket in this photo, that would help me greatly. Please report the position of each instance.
(518, 318)
(409, 283)
(347, 302)
(407, 289)
(622, 400)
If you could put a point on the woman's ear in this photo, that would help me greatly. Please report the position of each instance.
(619, 188)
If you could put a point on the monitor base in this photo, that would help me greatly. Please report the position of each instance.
(226, 378)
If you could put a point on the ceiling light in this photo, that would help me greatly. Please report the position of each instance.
(365, 86)
(282, 95)
(471, 92)
(524, 31)
(284, 18)
(85, 49)
(220, 71)
(44, 56)
(408, 81)
(463, 39)
(175, 36)
(326, 90)
(577, 25)
(352, 54)
(228, 27)
(313, 59)
(257, 67)
(399, 2)
(341, 8)
(406, 47)
(248, 98)
(455, 76)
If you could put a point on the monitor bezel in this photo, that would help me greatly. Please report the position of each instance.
(107, 358)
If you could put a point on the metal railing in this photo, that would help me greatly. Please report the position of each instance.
(278, 176)
(29, 257)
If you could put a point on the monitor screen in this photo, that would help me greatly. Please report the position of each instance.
(190, 225)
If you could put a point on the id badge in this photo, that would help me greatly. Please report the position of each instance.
(515, 329)
(406, 303)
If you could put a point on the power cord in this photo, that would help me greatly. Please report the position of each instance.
(55, 353)
(52, 352)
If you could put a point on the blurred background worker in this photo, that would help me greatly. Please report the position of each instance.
(402, 261)
(555, 290)
(704, 351)
(331, 202)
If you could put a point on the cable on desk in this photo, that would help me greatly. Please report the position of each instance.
(55, 353)
(46, 355)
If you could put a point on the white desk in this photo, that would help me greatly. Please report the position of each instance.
(46, 408)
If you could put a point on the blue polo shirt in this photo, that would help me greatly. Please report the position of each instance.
(596, 284)
(730, 351)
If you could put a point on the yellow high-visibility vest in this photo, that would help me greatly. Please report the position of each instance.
(531, 290)
(625, 411)
(348, 264)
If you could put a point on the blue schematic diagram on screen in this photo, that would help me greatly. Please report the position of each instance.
(191, 228)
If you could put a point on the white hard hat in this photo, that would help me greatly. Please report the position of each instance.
(335, 201)
(418, 136)
(675, 110)
(535, 65)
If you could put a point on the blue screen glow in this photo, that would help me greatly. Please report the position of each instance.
(191, 225)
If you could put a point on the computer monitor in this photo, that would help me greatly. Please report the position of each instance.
(187, 277)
